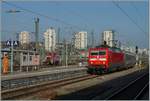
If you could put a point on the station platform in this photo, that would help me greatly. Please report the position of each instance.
(41, 71)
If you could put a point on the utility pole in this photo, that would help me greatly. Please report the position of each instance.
(66, 49)
(137, 56)
(37, 31)
(92, 36)
(52, 48)
(102, 38)
(65, 53)
(58, 44)
(119, 44)
(58, 38)
(80, 41)
(17, 36)
(12, 53)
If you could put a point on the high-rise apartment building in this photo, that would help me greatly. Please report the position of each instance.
(108, 36)
(24, 37)
(81, 40)
(50, 39)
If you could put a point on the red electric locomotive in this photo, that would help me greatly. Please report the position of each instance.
(52, 59)
(105, 59)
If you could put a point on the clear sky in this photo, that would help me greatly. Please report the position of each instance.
(87, 16)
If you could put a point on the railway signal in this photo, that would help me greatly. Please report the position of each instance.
(105, 43)
(136, 49)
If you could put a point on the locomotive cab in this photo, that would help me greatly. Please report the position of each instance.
(98, 59)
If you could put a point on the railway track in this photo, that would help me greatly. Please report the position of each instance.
(132, 91)
(101, 91)
(32, 68)
(28, 90)
(15, 81)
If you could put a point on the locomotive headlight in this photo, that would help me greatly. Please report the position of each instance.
(103, 62)
(91, 62)
(93, 59)
(102, 59)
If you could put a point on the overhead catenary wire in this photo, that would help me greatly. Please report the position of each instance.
(136, 9)
(137, 12)
(42, 15)
(88, 25)
(22, 22)
(124, 12)
(72, 12)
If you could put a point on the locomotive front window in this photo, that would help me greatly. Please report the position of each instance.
(102, 52)
(98, 53)
(94, 53)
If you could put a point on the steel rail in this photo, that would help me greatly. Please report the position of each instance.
(141, 92)
(15, 93)
(125, 87)
(34, 78)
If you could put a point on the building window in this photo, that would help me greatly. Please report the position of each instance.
(24, 58)
(30, 58)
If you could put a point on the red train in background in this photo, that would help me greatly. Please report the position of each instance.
(52, 59)
(106, 59)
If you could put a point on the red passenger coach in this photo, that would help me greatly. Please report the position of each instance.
(105, 59)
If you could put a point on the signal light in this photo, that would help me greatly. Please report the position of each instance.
(136, 49)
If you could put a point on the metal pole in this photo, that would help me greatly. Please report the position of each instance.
(66, 54)
(28, 57)
(92, 39)
(102, 39)
(13, 12)
(80, 44)
(58, 35)
(11, 66)
(48, 43)
(63, 53)
(36, 31)
(52, 43)
(21, 61)
(137, 59)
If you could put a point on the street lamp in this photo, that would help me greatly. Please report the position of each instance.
(12, 12)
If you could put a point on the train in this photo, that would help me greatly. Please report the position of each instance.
(52, 58)
(108, 59)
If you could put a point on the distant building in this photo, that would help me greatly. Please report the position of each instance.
(146, 51)
(128, 48)
(24, 37)
(81, 40)
(108, 36)
(50, 39)
(132, 49)
(143, 51)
